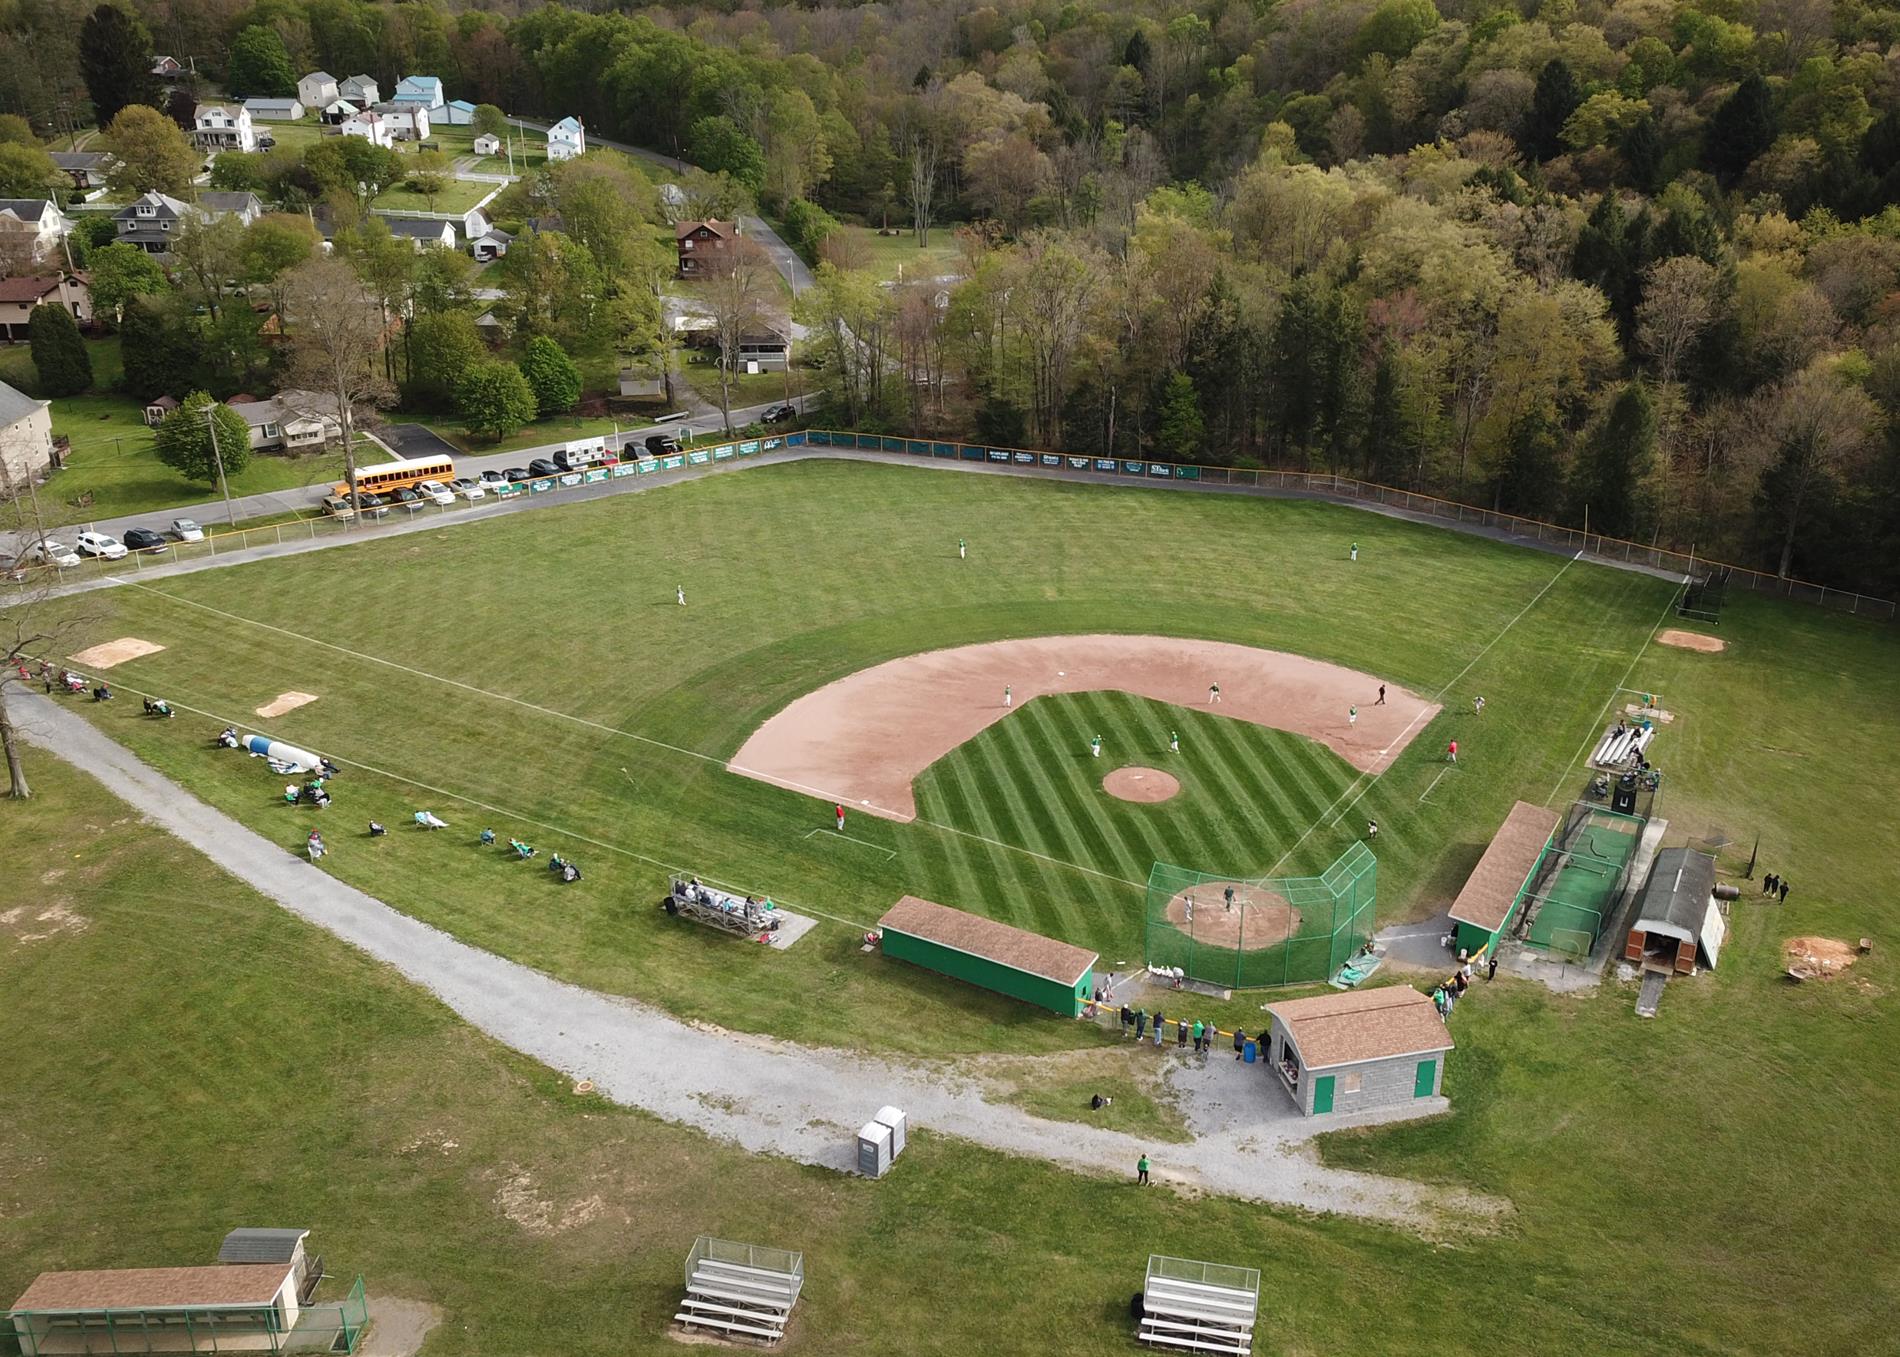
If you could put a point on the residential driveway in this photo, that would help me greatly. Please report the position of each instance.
(415, 440)
(772, 1097)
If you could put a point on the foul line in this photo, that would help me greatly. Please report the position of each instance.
(1435, 781)
(1591, 737)
(1337, 811)
(770, 780)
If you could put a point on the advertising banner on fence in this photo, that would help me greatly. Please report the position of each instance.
(699, 457)
(673, 463)
(1104, 463)
(623, 469)
(541, 486)
(999, 454)
(597, 474)
(723, 453)
(508, 491)
(646, 465)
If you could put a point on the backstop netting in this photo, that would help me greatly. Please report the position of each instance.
(1248, 934)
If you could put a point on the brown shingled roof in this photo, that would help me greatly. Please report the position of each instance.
(1492, 887)
(26, 289)
(972, 933)
(134, 1288)
(1367, 1024)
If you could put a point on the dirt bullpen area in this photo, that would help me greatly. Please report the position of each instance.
(863, 739)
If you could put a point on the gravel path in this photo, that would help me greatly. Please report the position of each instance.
(764, 1094)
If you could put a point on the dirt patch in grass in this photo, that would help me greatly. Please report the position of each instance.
(1144, 786)
(521, 1201)
(110, 653)
(1819, 958)
(284, 702)
(1692, 640)
(28, 924)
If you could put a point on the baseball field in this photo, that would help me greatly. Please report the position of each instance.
(535, 674)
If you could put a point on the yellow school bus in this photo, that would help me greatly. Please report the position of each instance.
(403, 474)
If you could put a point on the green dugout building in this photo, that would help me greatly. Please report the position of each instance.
(1484, 909)
(991, 955)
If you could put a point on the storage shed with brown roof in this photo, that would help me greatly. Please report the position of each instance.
(244, 1307)
(996, 956)
(1495, 888)
(1358, 1051)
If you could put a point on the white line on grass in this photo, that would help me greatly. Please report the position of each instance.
(1590, 739)
(770, 779)
(1435, 781)
(1337, 811)
(874, 847)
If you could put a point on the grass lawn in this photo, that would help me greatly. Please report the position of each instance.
(457, 195)
(886, 255)
(553, 429)
(748, 388)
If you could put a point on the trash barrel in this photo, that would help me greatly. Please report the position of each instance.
(1248, 1054)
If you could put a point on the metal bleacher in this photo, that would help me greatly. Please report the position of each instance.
(1199, 1307)
(741, 1290)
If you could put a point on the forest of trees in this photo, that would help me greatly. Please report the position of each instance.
(1639, 259)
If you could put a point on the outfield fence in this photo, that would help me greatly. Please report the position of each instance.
(1349, 490)
(1255, 933)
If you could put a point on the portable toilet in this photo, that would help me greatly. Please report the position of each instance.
(895, 1119)
(874, 1149)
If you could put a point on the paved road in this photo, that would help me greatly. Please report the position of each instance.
(769, 1096)
(304, 499)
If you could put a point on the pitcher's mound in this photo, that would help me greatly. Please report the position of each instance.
(1146, 785)
(116, 652)
(1259, 918)
(284, 702)
(1692, 640)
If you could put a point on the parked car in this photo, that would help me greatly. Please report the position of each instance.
(779, 414)
(101, 544)
(338, 508)
(659, 444)
(410, 500)
(187, 530)
(144, 539)
(468, 489)
(541, 466)
(491, 478)
(50, 552)
(438, 492)
(515, 475)
(373, 506)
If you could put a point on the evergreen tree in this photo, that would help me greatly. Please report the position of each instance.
(59, 354)
(186, 443)
(1742, 128)
(1555, 98)
(1381, 449)
(1612, 251)
(160, 349)
(1179, 432)
(1530, 480)
(259, 66)
(1643, 155)
(115, 61)
(1611, 485)
(552, 375)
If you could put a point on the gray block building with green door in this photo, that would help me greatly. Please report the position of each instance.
(991, 955)
(1359, 1051)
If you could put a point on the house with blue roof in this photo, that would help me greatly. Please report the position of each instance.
(460, 113)
(422, 90)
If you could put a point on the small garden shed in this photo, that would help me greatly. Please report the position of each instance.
(1358, 1051)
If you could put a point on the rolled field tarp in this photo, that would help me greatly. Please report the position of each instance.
(265, 747)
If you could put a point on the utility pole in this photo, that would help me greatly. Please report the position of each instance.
(211, 427)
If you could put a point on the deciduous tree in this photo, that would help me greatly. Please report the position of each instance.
(495, 400)
(151, 153)
(551, 375)
(201, 434)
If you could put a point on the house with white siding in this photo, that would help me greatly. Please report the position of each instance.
(31, 229)
(424, 90)
(370, 125)
(263, 110)
(360, 90)
(221, 127)
(407, 121)
(566, 139)
(317, 89)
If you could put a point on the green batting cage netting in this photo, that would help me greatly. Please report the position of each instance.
(1273, 931)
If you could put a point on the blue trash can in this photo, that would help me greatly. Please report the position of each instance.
(1247, 1055)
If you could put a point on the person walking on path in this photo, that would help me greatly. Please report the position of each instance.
(1451, 751)
(1174, 743)
(1477, 705)
(1009, 696)
(1355, 551)
(1381, 701)
(1095, 747)
(1782, 886)
(1491, 968)
(962, 550)
(679, 591)
(1352, 717)
(1768, 883)
(1240, 1042)
(838, 810)
(1213, 692)
(1141, 1171)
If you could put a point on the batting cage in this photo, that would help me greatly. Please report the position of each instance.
(1273, 931)
(1580, 880)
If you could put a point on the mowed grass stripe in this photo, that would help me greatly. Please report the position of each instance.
(1022, 754)
(1244, 787)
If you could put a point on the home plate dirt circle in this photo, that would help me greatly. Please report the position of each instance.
(1259, 919)
(1146, 785)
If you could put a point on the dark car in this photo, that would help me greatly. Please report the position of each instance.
(541, 466)
(410, 500)
(517, 474)
(373, 506)
(143, 539)
(779, 414)
(659, 444)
